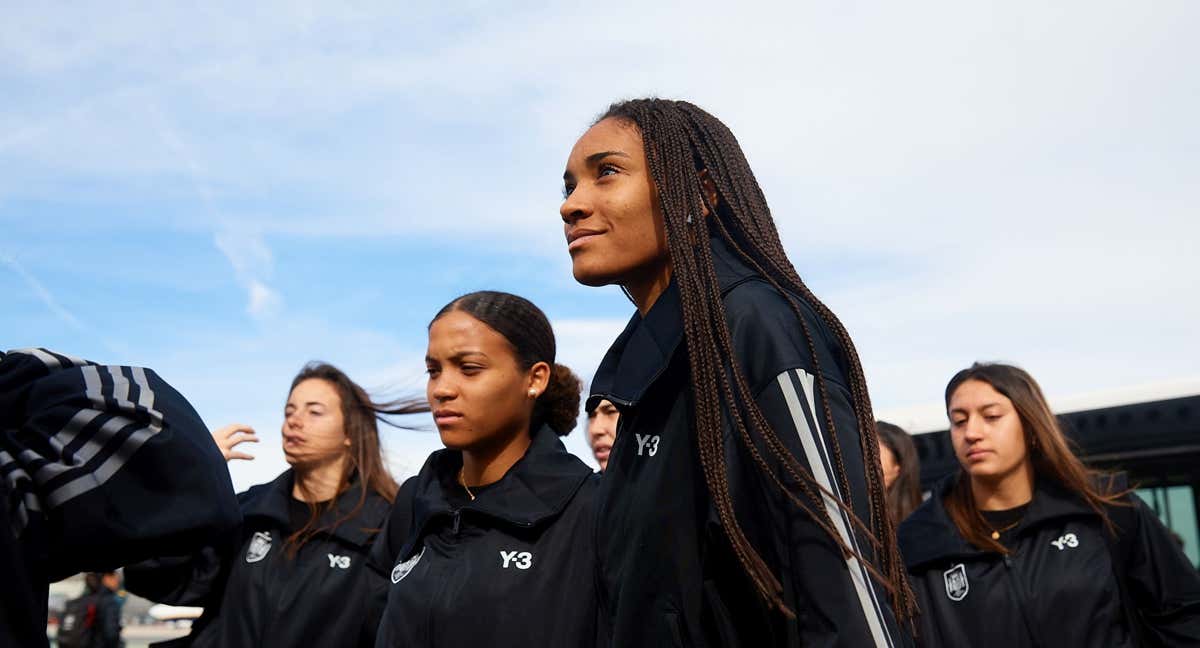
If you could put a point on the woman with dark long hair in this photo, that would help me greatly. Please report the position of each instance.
(490, 544)
(295, 573)
(901, 470)
(743, 503)
(1025, 546)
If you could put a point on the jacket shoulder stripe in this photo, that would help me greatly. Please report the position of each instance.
(116, 457)
(51, 359)
(815, 452)
(47, 359)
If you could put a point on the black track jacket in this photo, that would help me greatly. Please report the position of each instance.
(254, 595)
(100, 466)
(668, 576)
(1060, 585)
(511, 569)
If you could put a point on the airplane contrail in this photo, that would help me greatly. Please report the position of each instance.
(42, 293)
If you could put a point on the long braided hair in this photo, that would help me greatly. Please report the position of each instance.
(681, 142)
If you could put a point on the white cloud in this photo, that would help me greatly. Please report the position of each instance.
(958, 181)
(253, 265)
(264, 302)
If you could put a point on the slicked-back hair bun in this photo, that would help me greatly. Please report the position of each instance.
(529, 333)
(558, 406)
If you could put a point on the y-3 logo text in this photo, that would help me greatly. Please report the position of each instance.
(519, 559)
(1068, 540)
(647, 443)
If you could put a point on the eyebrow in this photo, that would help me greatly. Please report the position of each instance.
(305, 404)
(962, 410)
(596, 157)
(457, 356)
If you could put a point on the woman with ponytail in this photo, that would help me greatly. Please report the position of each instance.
(490, 544)
(1026, 546)
(743, 503)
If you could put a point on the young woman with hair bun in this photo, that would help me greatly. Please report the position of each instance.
(1026, 546)
(491, 543)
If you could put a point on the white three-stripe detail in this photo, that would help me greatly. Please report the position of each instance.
(816, 461)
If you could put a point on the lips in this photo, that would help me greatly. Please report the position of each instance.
(577, 238)
(601, 452)
(446, 417)
(977, 454)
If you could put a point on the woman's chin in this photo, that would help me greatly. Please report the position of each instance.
(456, 439)
(588, 274)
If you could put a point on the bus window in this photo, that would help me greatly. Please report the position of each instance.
(1176, 507)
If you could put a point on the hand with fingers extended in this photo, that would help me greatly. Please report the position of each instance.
(230, 436)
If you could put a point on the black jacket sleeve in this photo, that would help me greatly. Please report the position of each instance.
(1163, 583)
(385, 550)
(185, 580)
(197, 579)
(770, 344)
(111, 462)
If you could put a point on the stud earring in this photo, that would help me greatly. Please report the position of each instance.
(533, 393)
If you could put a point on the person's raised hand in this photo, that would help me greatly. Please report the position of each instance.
(230, 436)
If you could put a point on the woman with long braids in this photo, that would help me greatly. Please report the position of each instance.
(490, 544)
(901, 470)
(1027, 547)
(743, 503)
(295, 572)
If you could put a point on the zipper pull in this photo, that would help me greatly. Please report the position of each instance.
(457, 517)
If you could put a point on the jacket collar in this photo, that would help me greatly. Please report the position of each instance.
(536, 488)
(648, 343)
(271, 503)
(929, 534)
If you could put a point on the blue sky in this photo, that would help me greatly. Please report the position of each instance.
(225, 193)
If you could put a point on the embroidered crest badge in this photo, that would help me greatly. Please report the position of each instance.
(401, 570)
(260, 545)
(956, 582)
